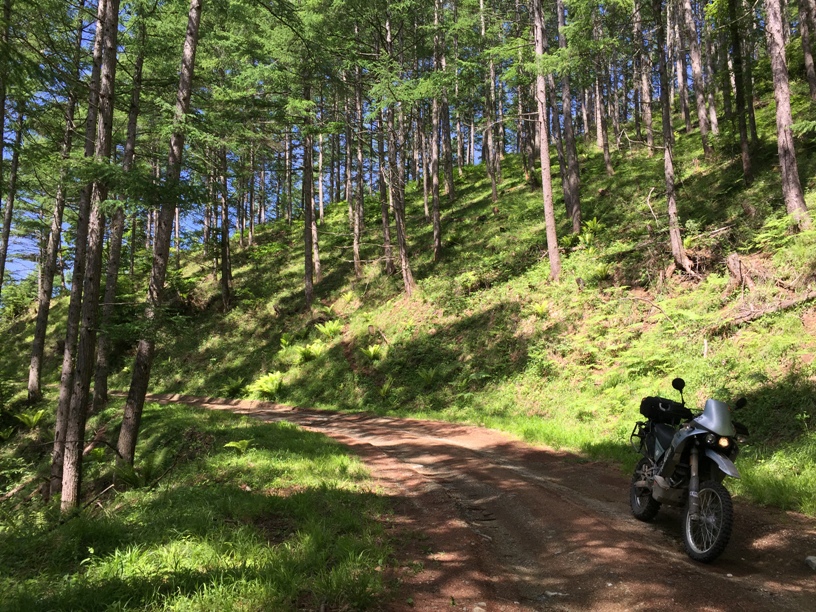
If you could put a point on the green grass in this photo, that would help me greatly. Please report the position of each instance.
(289, 522)
(488, 339)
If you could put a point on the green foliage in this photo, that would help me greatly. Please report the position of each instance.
(311, 351)
(429, 375)
(267, 386)
(17, 297)
(330, 329)
(776, 233)
(31, 418)
(374, 352)
(290, 524)
(146, 472)
(239, 445)
(234, 386)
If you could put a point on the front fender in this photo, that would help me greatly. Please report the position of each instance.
(724, 463)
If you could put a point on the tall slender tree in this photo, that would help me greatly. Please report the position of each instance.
(544, 146)
(791, 186)
(128, 434)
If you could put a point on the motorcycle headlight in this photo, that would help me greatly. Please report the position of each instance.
(711, 439)
(723, 443)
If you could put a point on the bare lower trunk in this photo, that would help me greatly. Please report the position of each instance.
(678, 251)
(115, 241)
(83, 369)
(807, 49)
(711, 80)
(308, 204)
(12, 190)
(739, 90)
(434, 167)
(570, 149)
(697, 75)
(226, 264)
(544, 151)
(791, 186)
(131, 420)
(386, 224)
(81, 242)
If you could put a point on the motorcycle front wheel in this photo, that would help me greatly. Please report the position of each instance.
(644, 506)
(706, 537)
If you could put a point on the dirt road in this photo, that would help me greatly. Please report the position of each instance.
(485, 522)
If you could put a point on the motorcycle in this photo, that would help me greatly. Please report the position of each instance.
(685, 460)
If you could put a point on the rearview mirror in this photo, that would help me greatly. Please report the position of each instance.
(679, 384)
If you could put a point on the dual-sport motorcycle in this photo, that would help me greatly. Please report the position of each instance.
(685, 459)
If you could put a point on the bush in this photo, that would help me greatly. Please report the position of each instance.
(267, 386)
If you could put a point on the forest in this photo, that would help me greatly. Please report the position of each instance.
(523, 215)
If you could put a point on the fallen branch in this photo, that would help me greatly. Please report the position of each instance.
(17, 489)
(756, 314)
(653, 305)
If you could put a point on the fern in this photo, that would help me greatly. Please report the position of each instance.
(428, 375)
(267, 386)
(330, 329)
(31, 419)
(311, 351)
(385, 389)
(374, 352)
(240, 445)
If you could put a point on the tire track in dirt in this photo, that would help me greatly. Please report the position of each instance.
(498, 524)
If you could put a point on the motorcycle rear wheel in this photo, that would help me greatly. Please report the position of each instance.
(644, 506)
(706, 537)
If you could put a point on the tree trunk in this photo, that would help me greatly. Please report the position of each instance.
(4, 66)
(396, 135)
(711, 79)
(791, 186)
(131, 420)
(115, 241)
(739, 90)
(570, 149)
(807, 48)
(544, 150)
(81, 243)
(308, 203)
(681, 65)
(386, 224)
(678, 251)
(78, 407)
(49, 260)
(646, 92)
(320, 194)
(697, 75)
(226, 263)
(440, 64)
(602, 128)
(12, 189)
(357, 202)
(435, 129)
(489, 148)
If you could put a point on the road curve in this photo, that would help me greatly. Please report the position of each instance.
(510, 526)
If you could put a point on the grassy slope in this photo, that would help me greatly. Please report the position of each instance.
(221, 513)
(489, 339)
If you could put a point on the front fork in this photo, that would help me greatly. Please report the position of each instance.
(694, 485)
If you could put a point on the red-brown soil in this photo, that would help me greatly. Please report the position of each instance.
(484, 521)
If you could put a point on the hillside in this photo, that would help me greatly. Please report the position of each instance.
(488, 339)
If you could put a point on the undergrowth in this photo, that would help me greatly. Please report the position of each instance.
(219, 513)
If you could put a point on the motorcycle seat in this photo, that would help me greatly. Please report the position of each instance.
(664, 434)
